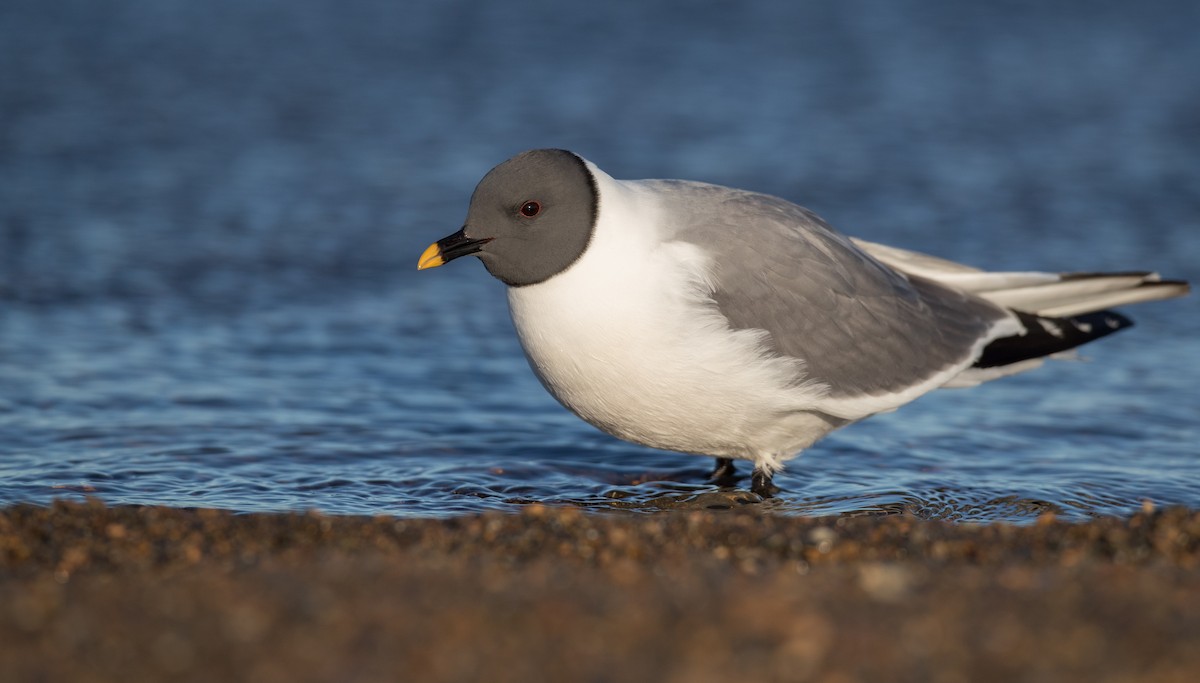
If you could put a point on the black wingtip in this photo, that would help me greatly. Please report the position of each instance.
(1106, 321)
(1045, 335)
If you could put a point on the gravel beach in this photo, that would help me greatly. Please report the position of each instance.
(96, 593)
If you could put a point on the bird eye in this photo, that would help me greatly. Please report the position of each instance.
(530, 209)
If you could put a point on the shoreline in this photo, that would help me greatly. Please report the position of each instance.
(92, 593)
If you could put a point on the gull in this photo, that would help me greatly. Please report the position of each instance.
(721, 322)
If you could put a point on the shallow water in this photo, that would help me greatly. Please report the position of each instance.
(210, 220)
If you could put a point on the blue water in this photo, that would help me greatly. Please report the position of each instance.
(210, 215)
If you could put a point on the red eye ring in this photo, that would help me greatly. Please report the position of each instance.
(530, 209)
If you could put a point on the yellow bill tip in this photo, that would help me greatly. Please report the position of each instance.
(430, 258)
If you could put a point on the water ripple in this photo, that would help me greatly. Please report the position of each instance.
(207, 295)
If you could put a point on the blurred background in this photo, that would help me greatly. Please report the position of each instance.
(210, 215)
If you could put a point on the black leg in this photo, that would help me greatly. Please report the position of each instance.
(724, 473)
(760, 483)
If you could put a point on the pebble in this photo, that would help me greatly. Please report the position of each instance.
(96, 593)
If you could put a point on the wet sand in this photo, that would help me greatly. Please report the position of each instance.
(90, 593)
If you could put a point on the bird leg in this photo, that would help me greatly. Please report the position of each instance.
(724, 473)
(760, 483)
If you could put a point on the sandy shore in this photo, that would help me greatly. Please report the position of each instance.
(90, 593)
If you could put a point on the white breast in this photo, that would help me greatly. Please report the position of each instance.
(629, 340)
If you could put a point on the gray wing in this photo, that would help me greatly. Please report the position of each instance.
(860, 327)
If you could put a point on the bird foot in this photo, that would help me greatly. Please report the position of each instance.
(724, 474)
(760, 483)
